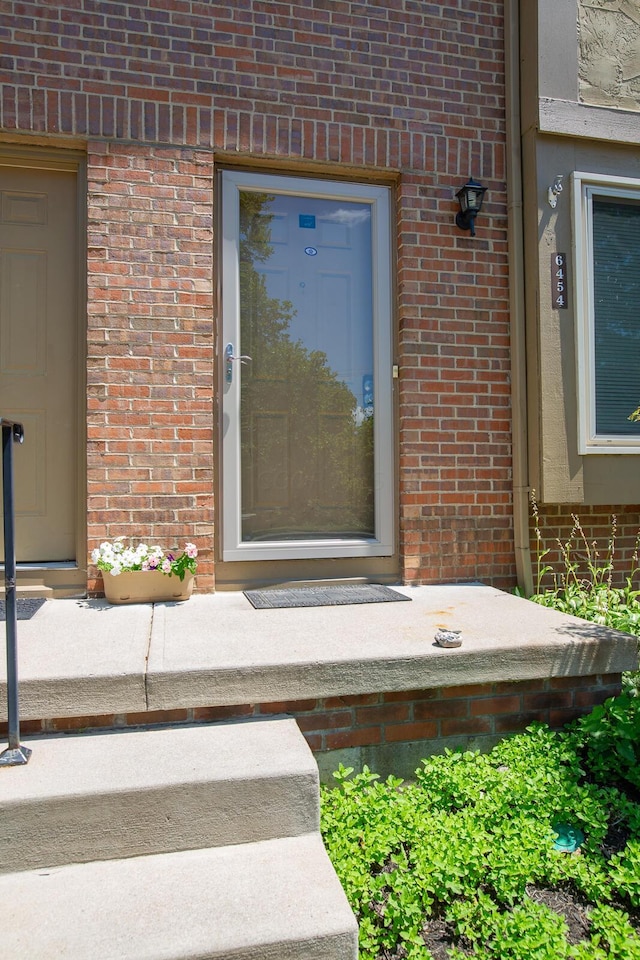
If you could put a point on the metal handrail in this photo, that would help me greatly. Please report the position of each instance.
(15, 754)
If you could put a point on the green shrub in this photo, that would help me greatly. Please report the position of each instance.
(610, 739)
(465, 844)
(468, 839)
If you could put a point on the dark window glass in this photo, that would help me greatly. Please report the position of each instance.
(616, 254)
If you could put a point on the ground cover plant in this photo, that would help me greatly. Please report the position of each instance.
(460, 863)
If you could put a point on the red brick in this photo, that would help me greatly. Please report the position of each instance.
(411, 731)
(520, 687)
(329, 720)
(288, 706)
(492, 705)
(441, 708)
(467, 690)
(388, 713)
(570, 683)
(315, 741)
(611, 679)
(311, 102)
(558, 718)
(541, 701)
(399, 696)
(586, 699)
(353, 738)
(513, 723)
(27, 728)
(613, 690)
(355, 700)
(204, 714)
(81, 723)
(126, 175)
(216, 102)
(456, 728)
(156, 716)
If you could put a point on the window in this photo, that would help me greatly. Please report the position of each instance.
(607, 260)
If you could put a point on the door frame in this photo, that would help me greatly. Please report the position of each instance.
(379, 197)
(59, 579)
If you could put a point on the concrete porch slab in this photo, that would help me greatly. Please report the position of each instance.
(222, 651)
(80, 658)
(85, 657)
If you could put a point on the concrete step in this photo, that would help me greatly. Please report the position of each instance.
(29, 591)
(272, 900)
(132, 793)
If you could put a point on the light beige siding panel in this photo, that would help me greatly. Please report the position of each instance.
(38, 355)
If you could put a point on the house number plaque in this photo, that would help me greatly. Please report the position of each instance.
(559, 280)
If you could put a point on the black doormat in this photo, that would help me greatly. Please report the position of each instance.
(26, 607)
(322, 596)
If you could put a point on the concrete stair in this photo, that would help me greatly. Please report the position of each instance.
(168, 844)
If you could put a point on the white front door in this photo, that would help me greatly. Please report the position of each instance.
(306, 369)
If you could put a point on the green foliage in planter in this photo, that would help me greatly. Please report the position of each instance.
(466, 842)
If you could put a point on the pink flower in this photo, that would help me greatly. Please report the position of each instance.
(191, 550)
(166, 566)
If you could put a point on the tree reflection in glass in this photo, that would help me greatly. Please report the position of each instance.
(306, 439)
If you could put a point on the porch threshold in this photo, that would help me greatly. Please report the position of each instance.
(82, 658)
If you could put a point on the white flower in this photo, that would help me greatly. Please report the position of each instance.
(115, 557)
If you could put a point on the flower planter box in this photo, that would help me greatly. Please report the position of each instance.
(147, 586)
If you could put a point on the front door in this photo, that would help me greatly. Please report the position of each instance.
(306, 369)
(38, 355)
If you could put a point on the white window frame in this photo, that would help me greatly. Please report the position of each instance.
(586, 186)
(382, 544)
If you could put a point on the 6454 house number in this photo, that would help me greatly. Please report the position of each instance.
(559, 281)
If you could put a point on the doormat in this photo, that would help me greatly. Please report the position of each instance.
(322, 596)
(26, 607)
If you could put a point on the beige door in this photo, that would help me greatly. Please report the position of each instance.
(38, 355)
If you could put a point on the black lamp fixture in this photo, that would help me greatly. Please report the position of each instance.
(470, 198)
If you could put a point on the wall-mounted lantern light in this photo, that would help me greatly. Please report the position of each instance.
(470, 198)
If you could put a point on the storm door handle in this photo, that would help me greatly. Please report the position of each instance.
(228, 362)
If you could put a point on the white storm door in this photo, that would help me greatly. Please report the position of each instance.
(306, 369)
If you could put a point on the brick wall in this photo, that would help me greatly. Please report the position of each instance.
(150, 344)
(399, 89)
(438, 718)
(586, 536)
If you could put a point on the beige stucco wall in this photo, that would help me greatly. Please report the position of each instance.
(573, 119)
(609, 53)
